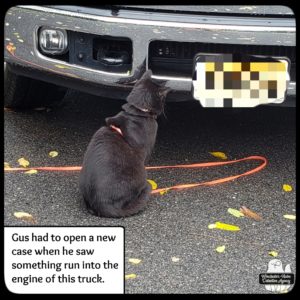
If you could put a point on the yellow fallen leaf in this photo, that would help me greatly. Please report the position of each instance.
(163, 192)
(23, 162)
(290, 217)
(134, 261)
(212, 226)
(219, 155)
(224, 226)
(273, 253)
(31, 171)
(130, 276)
(24, 216)
(220, 249)
(6, 165)
(53, 153)
(235, 212)
(287, 188)
(153, 184)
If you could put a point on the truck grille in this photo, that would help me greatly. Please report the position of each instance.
(175, 59)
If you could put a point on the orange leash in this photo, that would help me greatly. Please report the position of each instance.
(211, 164)
(175, 187)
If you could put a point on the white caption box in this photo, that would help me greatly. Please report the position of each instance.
(81, 260)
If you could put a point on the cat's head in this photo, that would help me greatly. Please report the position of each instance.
(149, 94)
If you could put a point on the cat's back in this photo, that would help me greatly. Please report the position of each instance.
(108, 149)
(110, 165)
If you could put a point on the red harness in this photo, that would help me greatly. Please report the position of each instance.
(117, 129)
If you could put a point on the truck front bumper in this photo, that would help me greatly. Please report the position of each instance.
(23, 22)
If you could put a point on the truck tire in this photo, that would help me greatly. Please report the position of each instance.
(22, 92)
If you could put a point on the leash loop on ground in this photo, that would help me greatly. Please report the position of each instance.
(211, 164)
(175, 187)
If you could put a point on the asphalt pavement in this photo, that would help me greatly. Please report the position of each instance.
(174, 225)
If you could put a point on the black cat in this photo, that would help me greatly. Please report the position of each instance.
(113, 177)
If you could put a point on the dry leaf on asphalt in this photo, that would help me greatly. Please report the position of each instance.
(219, 155)
(24, 216)
(134, 261)
(287, 188)
(23, 162)
(31, 171)
(290, 217)
(130, 276)
(153, 184)
(235, 212)
(53, 153)
(175, 259)
(220, 249)
(224, 226)
(6, 165)
(249, 213)
(273, 253)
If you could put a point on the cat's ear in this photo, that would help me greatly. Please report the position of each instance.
(163, 91)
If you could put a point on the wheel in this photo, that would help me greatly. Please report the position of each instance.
(23, 92)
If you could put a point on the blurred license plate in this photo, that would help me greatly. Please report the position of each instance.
(232, 80)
